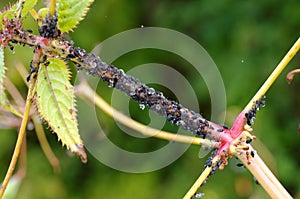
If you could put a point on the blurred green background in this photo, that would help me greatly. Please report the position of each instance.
(246, 39)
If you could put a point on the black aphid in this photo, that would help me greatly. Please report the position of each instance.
(248, 140)
(251, 114)
(240, 164)
(49, 29)
(252, 154)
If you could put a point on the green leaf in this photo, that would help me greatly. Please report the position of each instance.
(28, 5)
(56, 104)
(43, 12)
(12, 11)
(70, 12)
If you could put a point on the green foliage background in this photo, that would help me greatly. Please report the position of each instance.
(246, 39)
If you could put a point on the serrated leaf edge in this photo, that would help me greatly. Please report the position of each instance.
(87, 7)
(76, 148)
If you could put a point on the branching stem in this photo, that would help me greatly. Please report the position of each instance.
(21, 135)
(264, 176)
(200, 180)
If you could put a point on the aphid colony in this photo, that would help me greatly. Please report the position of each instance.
(144, 95)
(209, 163)
(92, 64)
(251, 114)
(48, 28)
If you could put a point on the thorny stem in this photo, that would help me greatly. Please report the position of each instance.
(268, 83)
(173, 111)
(21, 134)
(84, 91)
(263, 175)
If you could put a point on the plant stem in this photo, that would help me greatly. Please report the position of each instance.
(44, 144)
(203, 176)
(134, 88)
(83, 90)
(263, 175)
(18, 146)
(286, 59)
(22, 164)
(52, 7)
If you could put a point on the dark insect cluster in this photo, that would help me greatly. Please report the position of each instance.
(251, 114)
(209, 163)
(12, 28)
(144, 95)
(49, 29)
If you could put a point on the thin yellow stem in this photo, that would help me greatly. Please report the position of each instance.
(19, 140)
(52, 7)
(34, 14)
(200, 180)
(286, 59)
(22, 164)
(84, 91)
(44, 144)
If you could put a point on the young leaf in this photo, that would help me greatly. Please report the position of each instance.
(56, 104)
(11, 12)
(28, 5)
(69, 16)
